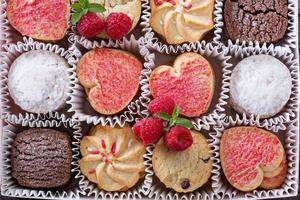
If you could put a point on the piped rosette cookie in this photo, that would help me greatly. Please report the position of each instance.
(180, 21)
(112, 158)
(106, 18)
(252, 157)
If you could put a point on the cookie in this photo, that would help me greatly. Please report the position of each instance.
(41, 158)
(132, 8)
(251, 157)
(262, 21)
(189, 82)
(183, 171)
(180, 21)
(107, 74)
(260, 85)
(45, 20)
(38, 81)
(112, 158)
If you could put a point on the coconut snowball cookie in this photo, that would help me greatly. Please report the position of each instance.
(38, 81)
(112, 157)
(183, 171)
(260, 85)
(180, 21)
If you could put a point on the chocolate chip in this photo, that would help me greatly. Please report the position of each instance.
(206, 160)
(185, 184)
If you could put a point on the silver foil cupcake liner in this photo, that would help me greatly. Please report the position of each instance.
(287, 43)
(237, 53)
(289, 136)
(78, 99)
(162, 46)
(9, 185)
(9, 110)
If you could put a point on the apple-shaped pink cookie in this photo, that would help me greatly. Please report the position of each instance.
(252, 157)
(40, 19)
(110, 77)
(190, 82)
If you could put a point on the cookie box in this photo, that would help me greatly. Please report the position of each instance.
(152, 53)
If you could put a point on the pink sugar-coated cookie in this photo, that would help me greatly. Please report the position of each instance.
(190, 82)
(251, 157)
(40, 19)
(110, 77)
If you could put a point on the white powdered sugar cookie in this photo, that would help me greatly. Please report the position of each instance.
(260, 85)
(38, 81)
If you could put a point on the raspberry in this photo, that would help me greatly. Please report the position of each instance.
(118, 25)
(178, 138)
(90, 25)
(137, 128)
(151, 130)
(161, 104)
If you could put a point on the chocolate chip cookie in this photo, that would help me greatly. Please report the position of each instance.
(256, 20)
(183, 171)
(41, 158)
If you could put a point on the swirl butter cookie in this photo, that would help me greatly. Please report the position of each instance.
(183, 171)
(180, 21)
(112, 158)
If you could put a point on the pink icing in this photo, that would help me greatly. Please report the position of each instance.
(117, 74)
(46, 18)
(244, 150)
(191, 90)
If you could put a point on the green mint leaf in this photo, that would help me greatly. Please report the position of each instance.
(93, 7)
(175, 113)
(76, 17)
(84, 3)
(77, 6)
(184, 122)
(163, 115)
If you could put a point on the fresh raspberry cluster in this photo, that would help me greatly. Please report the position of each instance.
(150, 130)
(117, 25)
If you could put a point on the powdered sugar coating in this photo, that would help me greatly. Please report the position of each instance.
(260, 85)
(38, 81)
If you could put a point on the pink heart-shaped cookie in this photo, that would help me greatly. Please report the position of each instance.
(41, 19)
(190, 83)
(110, 77)
(252, 157)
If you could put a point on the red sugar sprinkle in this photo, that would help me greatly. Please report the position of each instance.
(103, 144)
(113, 148)
(92, 171)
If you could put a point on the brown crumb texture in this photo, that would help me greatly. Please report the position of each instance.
(256, 20)
(41, 158)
